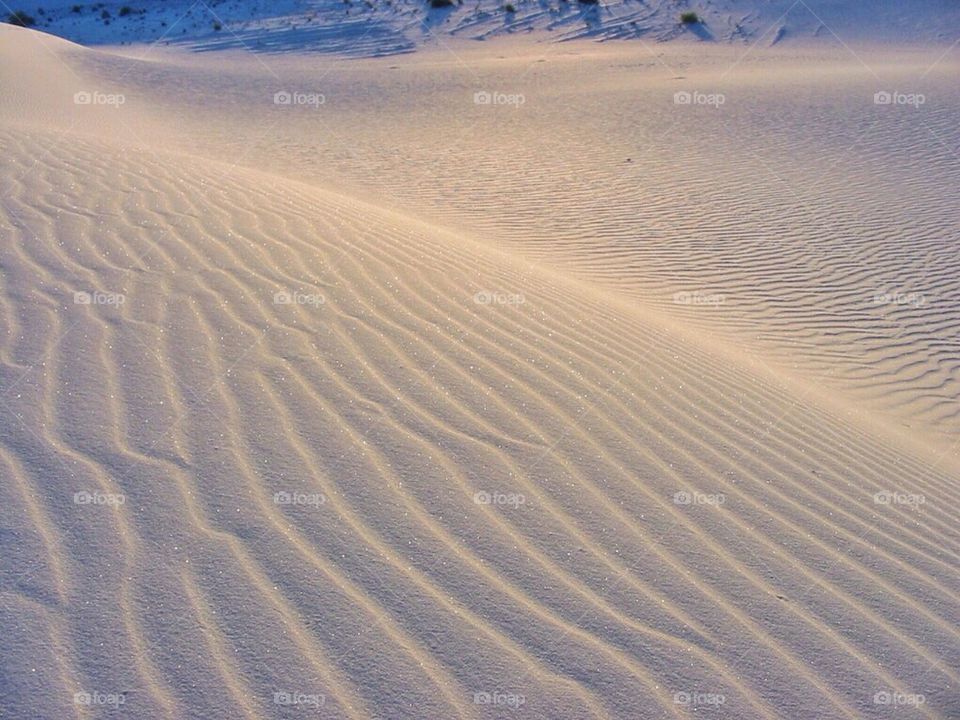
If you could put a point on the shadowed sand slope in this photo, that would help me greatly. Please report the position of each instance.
(265, 444)
(380, 27)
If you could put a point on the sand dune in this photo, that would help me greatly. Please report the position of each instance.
(265, 441)
(799, 220)
(388, 27)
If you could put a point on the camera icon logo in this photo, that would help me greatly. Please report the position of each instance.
(682, 97)
(282, 98)
(884, 497)
(482, 498)
(882, 98)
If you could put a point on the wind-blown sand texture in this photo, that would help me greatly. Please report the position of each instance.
(597, 406)
(366, 28)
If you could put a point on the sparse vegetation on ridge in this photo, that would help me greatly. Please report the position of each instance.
(19, 17)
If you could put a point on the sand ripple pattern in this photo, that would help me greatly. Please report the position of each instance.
(261, 444)
(799, 221)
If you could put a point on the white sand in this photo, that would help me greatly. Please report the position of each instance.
(614, 439)
(362, 28)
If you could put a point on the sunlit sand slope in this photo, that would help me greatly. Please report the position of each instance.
(793, 216)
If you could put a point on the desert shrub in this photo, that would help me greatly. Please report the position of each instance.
(76, 8)
(441, 3)
(689, 18)
(509, 8)
(125, 10)
(19, 17)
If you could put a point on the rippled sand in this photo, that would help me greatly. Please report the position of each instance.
(396, 404)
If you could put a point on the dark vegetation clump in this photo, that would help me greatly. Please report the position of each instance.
(20, 18)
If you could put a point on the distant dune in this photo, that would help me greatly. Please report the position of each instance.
(493, 384)
(386, 27)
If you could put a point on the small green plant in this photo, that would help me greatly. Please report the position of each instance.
(441, 3)
(76, 8)
(509, 8)
(21, 18)
(217, 25)
(689, 18)
(125, 10)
